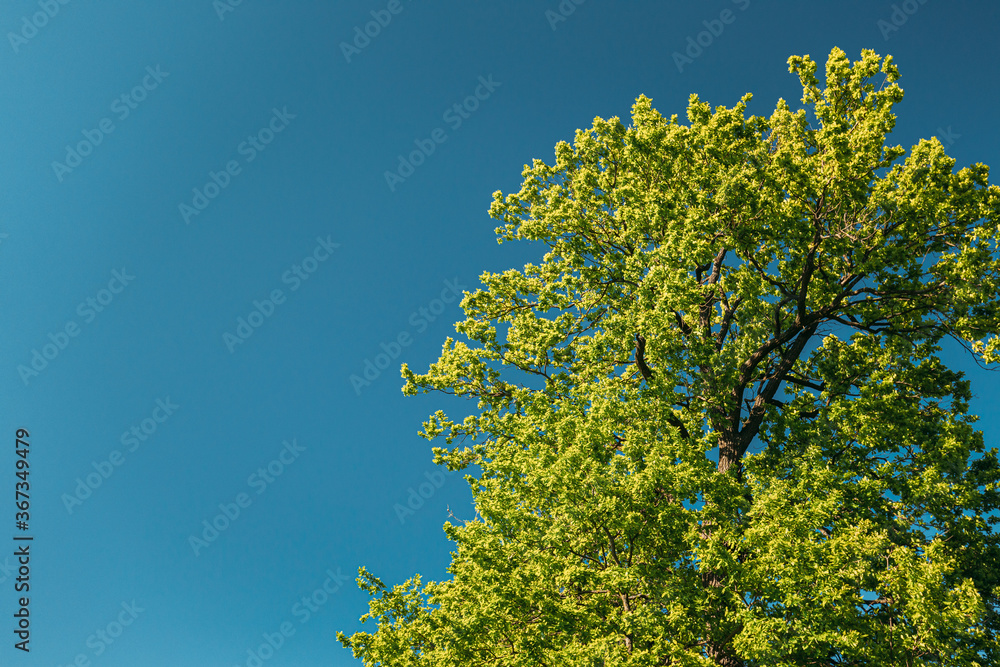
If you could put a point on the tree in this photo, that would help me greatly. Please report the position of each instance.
(713, 427)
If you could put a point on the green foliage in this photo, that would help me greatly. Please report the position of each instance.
(711, 424)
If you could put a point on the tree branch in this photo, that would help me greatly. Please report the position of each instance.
(640, 358)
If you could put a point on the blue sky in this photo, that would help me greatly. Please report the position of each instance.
(257, 118)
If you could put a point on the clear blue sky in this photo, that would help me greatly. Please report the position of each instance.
(324, 131)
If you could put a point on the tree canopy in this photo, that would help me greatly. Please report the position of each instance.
(713, 426)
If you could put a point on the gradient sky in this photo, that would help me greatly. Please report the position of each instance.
(210, 79)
